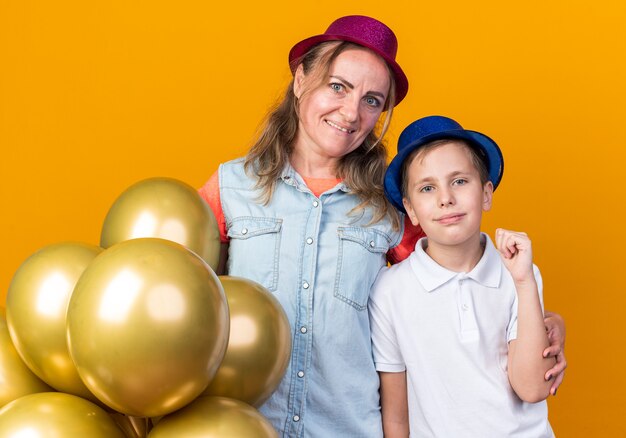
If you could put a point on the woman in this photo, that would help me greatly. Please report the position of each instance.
(304, 214)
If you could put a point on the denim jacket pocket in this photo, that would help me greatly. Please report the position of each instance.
(361, 255)
(251, 240)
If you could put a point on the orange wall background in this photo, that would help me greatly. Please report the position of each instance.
(95, 96)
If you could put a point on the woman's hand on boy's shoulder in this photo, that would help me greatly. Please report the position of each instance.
(555, 327)
(516, 251)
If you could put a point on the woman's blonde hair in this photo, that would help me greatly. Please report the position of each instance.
(362, 170)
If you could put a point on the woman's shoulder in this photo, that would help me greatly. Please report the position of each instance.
(237, 163)
(410, 235)
(233, 168)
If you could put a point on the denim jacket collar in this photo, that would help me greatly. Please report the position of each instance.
(293, 178)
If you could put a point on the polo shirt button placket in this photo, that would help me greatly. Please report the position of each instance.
(469, 325)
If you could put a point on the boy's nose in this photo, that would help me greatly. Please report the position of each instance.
(445, 198)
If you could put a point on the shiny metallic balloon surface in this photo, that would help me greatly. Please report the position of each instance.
(16, 379)
(55, 415)
(214, 417)
(259, 347)
(37, 302)
(147, 326)
(166, 208)
(133, 427)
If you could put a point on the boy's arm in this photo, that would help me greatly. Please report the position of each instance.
(387, 355)
(394, 404)
(526, 365)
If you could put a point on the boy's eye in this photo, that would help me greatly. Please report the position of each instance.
(372, 101)
(427, 189)
(459, 181)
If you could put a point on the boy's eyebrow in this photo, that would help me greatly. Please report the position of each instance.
(450, 176)
(421, 181)
(457, 173)
(350, 86)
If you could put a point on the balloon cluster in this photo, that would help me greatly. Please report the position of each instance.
(138, 337)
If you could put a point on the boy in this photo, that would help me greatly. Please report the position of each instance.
(457, 328)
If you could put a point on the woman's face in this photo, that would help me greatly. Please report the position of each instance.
(337, 116)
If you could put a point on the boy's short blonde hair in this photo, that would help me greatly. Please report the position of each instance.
(476, 155)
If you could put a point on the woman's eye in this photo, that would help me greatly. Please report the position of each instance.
(336, 87)
(372, 101)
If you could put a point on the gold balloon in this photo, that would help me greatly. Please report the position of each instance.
(16, 379)
(214, 417)
(164, 208)
(36, 306)
(259, 347)
(54, 415)
(133, 427)
(147, 326)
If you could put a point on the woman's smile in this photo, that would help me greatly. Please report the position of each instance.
(340, 128)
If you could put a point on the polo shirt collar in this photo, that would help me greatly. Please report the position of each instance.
(431, 275)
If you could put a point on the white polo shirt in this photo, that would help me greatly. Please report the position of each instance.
(450, 332)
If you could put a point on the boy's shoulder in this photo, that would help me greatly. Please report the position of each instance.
(390, 277)
(397, 268)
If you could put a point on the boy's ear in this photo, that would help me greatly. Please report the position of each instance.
(410, 212)
(487, 195)
(298, 81)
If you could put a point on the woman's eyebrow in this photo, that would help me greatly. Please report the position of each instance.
(350, 86)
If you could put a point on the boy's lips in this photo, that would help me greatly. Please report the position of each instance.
(450, 218)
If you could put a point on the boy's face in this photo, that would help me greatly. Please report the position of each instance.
(445, 195)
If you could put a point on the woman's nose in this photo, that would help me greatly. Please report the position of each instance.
(349, 109)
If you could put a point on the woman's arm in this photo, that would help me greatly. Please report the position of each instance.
(210, 192)
(394, 404)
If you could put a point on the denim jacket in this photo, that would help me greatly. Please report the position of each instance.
(320, 263)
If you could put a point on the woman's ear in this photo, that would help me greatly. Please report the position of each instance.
(487, 195)
(298, 81)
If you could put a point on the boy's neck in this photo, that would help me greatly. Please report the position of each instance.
(457, 258)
